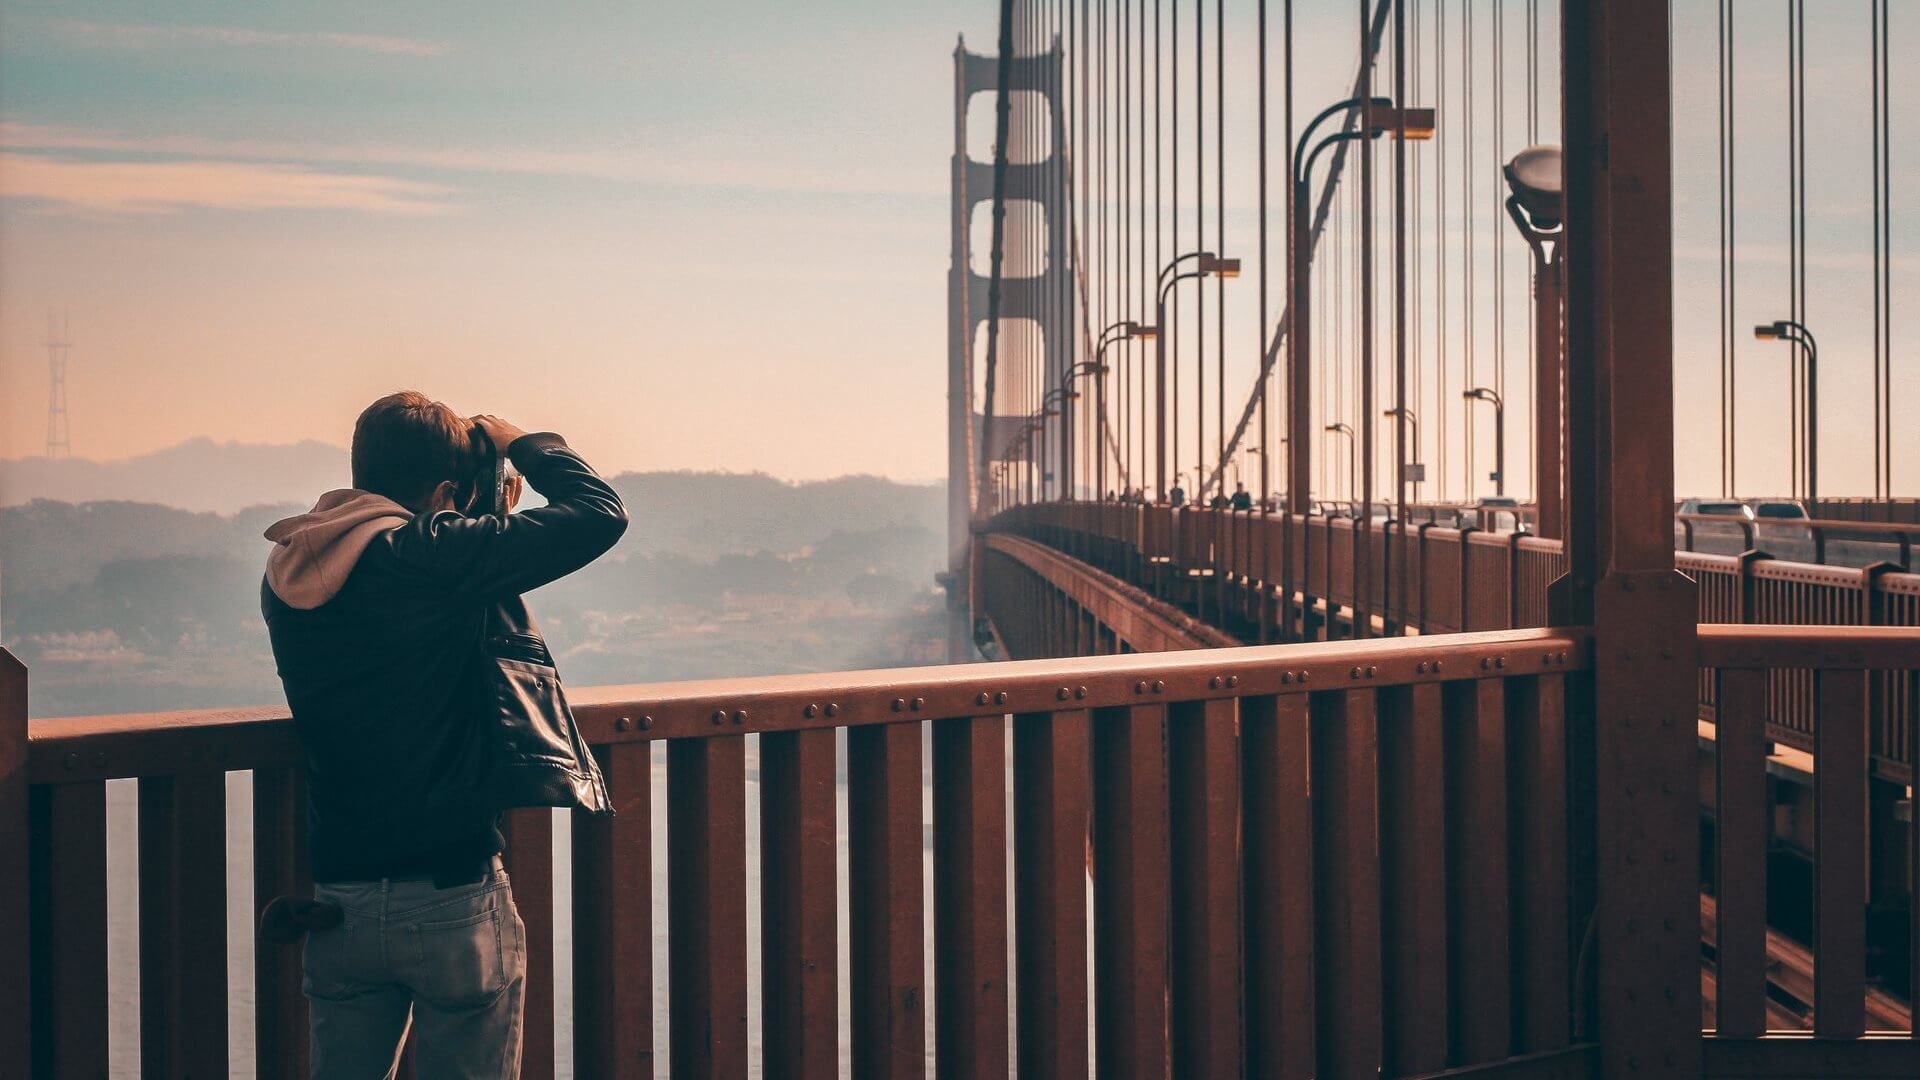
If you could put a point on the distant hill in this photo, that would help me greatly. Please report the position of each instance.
(199, 474)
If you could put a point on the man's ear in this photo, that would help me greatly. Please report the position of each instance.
(442, 497)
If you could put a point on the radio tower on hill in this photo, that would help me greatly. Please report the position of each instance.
(58, 442)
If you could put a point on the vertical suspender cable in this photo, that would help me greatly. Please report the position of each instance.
(1880, 356)
(1469, 361)
(1442, 408)
(1260, 151)
(1220, 226)
(1200, 234)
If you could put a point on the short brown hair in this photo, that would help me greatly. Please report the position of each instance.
(406, 443)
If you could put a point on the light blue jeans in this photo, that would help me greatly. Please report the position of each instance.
(452, 962)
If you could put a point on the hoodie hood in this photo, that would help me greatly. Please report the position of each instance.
(313, 553)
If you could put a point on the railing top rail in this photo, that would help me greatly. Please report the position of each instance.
(1844, 648)
(1879, 528)
(107, 747)
(1808, 573)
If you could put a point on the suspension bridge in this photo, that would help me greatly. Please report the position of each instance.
(1291, 731)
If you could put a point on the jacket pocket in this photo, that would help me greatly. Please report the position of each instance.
(532, 711)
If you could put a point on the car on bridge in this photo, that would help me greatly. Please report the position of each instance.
(1697, 530)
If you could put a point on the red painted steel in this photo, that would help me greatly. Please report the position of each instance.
(69, 872)
(1204, 802)
(16, 921)
(529, 859)
(280, 868)
(1279, 887)
(1840, 856)
(183, 925)
(1537, 817)
(970, 897)
(886, 969)
(613, 922)
(1130, 903)
(800, 1008)
(1344, 781)
(1478, 858)
(1051, 803)
(1741, 833)
(707, 905)
(1413, 831)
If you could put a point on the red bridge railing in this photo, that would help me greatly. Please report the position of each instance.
(1432, 579)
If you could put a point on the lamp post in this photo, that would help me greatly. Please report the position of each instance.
(1084, 367)
(1209, 264)
(1062, 394)
(1534, 177)
(1482, 393)
(1379, 116)
(1123, 330)
(1788, 330)
(1352, 463)
(1412, 421)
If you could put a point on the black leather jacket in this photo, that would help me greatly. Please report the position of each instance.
(422, 692)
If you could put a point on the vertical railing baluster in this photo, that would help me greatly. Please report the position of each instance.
(1345, 784)
(280, 868)
(1051, 792)
(183, 925)
(707, 906)
(1742, 831)
(1278, 822)
(1413, 810)
(885, 909)
(613, 921)
(1478, 901)
(1840, 855)
(1537, 819)
(1204, 799)
(1130, 877)
(69, 875)
(970, 896)
(529, 860)
(16, 923)
(798, 905)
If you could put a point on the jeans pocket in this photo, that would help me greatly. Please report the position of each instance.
(328, 967)
(460, 960)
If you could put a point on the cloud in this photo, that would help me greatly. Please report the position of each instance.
(684, 166)
(151, 187)
(137, 36)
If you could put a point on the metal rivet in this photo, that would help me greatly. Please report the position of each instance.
(740, 717)
(624, 723)
(1286, 676)
(1158, 686)
(1140, 687)
(98, 757)
(1079, 692)
(1436, 667)
(1486, 662)
(1233, 680)
(1372, 671)
(1354, 674)
(646, 723)
(1063, 693)
(73, 760)
(719, 716)
(899, 704)
(1000, 698)
(811, 711)
(1213, 683)
(833, 709)
(1420, 668)
(1303, 675)
(983, 699)
(1499, 661)
(919, 703)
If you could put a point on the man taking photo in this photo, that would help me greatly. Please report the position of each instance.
(427, 703)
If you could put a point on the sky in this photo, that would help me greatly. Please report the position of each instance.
(715, 235)
(687, 236)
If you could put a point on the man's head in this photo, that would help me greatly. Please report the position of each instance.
(413, 450)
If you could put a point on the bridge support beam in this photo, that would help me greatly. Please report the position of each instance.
(1632, 757)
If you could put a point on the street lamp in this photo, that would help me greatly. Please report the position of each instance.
(1499, 477)
(1124, 330)
(1378, 116)
(1353, 464)
(1084, 367)
(1537, 207)
(1788, 330)
(1209, 264)
(1414, 472)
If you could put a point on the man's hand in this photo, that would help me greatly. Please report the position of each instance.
(500, 431)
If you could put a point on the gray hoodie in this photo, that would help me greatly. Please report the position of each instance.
(314, 552)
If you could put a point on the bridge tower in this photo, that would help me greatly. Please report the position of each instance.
(59, 443)
(1041, 304)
